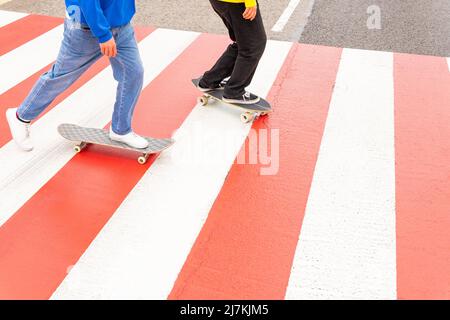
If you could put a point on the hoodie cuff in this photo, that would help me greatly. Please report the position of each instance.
(105, 37)
(250, 3)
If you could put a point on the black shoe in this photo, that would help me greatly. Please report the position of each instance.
(246, 98)
(221, 86)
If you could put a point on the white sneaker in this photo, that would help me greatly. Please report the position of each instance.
(131, 139)
(246, 98)
(20, 131)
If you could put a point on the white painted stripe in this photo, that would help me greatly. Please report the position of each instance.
(285, 16)
(143, 247)
(448, 64)
(7, 17)
(23, 174)
(20, 63)
(347, 243)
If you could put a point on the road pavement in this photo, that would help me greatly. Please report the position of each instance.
(411, 26)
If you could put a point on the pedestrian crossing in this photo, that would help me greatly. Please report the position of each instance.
(331, 223)
(352, 193)
(29, 58)
(7, 17)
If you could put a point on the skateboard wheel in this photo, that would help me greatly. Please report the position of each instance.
(247, 117)
(203, 100)
(79, 147)
(143, 159)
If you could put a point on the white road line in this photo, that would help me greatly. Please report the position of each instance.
(347, 246)
(285, 16)
(143, 247)
(29, 58)
(7, 17)
(23, 174)
(448, 64)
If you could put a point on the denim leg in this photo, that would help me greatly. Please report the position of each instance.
(129, 72)
(79, 50)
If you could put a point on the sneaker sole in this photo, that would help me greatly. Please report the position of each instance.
(209, 90)
(240, 101)
(134, 147)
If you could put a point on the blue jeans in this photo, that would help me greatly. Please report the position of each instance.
(79, 50)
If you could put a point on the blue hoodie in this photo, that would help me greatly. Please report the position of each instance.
(102, 15)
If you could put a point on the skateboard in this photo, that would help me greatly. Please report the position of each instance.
(85, 136)
(251, 111)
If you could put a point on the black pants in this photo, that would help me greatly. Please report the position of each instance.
(240, 60)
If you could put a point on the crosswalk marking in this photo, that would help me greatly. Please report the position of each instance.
(162, 216)
(29, 58)
(256, 219)
(347, 243)
(22, 174)
(148, 226)
(422, 144)
(7, 17)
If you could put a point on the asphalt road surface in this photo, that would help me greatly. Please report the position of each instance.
(413, 26)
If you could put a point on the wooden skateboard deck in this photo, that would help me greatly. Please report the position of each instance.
(85, 136)
(251, 111)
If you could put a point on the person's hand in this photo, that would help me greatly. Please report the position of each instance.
(250, 13)
(109, 48)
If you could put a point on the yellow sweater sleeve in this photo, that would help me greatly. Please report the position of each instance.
(248, 3)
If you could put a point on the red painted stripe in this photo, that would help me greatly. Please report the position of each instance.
(53, 229)
(422, 141)
(21, 31)
(15, 95)
(246, 247)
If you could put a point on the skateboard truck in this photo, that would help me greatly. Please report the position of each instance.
(245, 117)
(79, 147)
